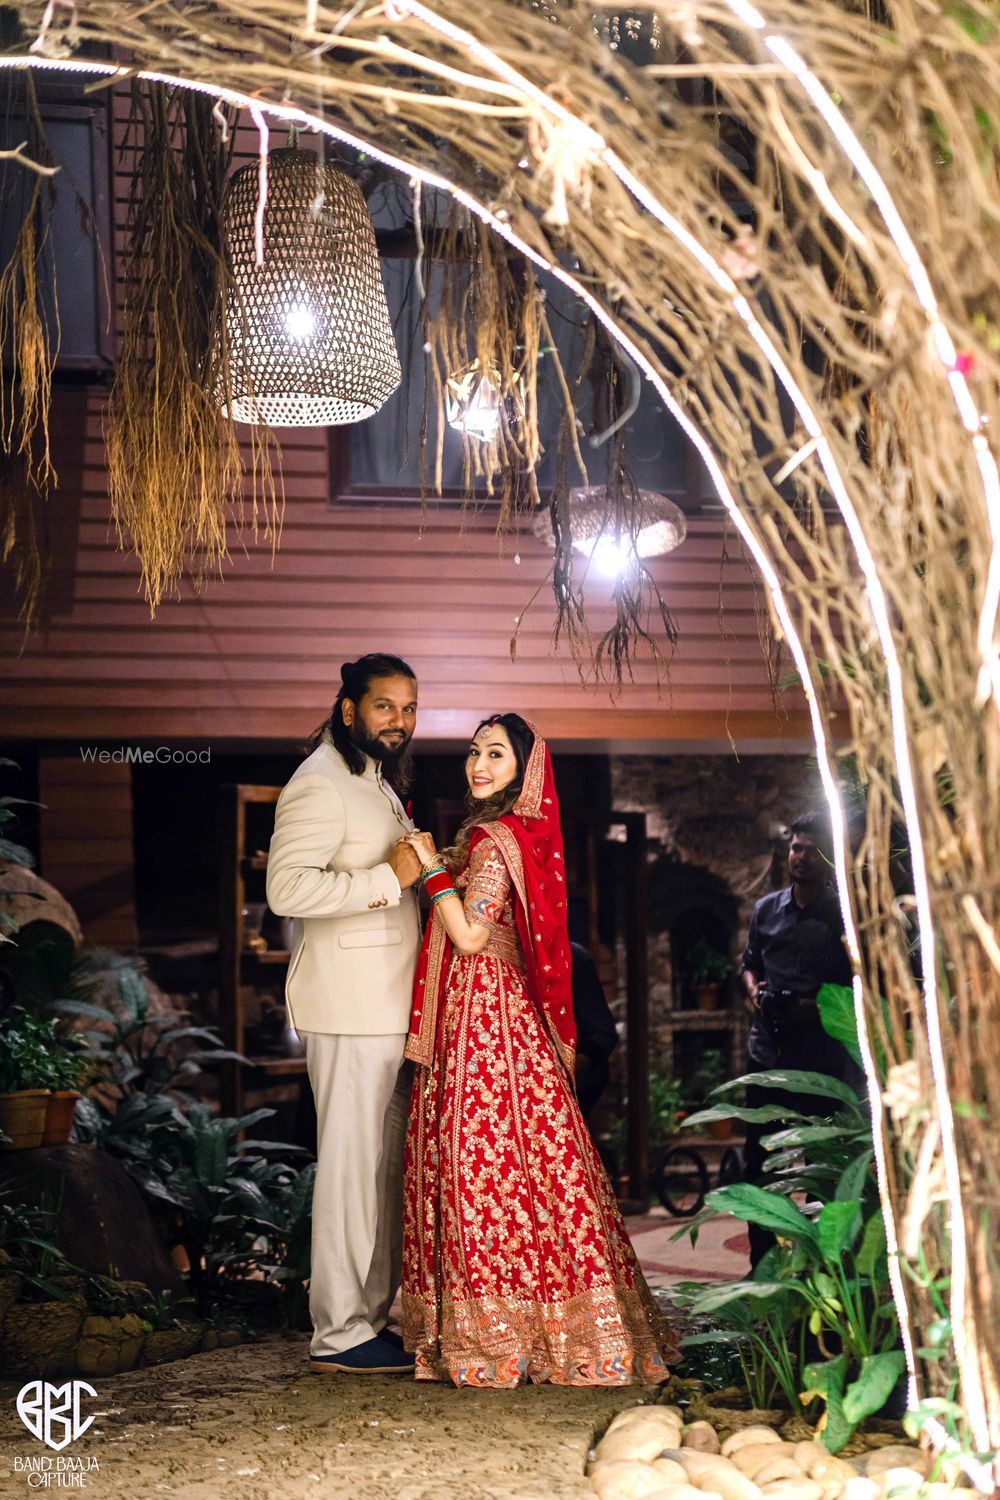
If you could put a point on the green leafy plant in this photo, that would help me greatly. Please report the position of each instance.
(34, 1056)
(758, 1331)
(291, 1243)
(162, 1310)
(827, 1274)
(707, 1076)
(138, 1050)
(26, 1246)
(706, 965)
(231, 1208)
(665, 1098)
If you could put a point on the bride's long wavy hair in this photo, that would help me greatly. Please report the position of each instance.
(489, 809)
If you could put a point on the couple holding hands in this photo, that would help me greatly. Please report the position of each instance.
(451, 1152)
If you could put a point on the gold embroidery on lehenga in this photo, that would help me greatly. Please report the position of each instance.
(517, 1262)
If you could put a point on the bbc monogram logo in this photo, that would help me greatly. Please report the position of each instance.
(51, 1413)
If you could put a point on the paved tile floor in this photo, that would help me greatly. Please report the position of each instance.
(721, 1254)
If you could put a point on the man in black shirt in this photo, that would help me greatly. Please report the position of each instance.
(794, 947)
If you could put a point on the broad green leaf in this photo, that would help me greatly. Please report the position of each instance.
(837, 1228)
(797, 1081)
(16, 854)
(253, 1144)
(83, 1008)
(806, 1135)
(211, 1158)
(871, 1252)
(245, 1121)
(761, 1114)
(835, 1003)
(756, 1206)
(718, 1297)
(134, 994)
(825, 1379)
(874, 1385)
(852, 1180)
(717, 1336)
(692, 1227)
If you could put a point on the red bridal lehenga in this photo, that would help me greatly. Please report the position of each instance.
(516, 1263)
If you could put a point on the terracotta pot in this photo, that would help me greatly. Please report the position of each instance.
(22, 1117)
(59, 1116)
(720, 1130)
(706, 996)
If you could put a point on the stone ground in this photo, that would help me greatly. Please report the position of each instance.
(252, 1423)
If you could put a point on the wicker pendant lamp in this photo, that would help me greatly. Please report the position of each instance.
(661, 527)
(310, 340)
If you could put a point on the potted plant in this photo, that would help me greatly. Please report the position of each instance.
(25, 1052)
(38, 1070)
(69, 1068)
(706, 970)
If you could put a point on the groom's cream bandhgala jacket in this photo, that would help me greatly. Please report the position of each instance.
(355, 934)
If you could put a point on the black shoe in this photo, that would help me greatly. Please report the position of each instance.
(390, 1336)
(375, 1356)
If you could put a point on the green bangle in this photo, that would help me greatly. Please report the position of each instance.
(430, 870)
(451, 891)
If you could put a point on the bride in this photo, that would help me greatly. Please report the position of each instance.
(516, 1263)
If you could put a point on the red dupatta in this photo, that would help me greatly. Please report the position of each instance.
(530, 842)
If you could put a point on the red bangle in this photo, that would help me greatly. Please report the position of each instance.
(437, 883)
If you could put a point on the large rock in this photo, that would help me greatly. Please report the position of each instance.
(39, 1338)
(108, 1346)
(26, 898)
(104, 1223)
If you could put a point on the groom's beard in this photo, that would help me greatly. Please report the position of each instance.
(390, 749)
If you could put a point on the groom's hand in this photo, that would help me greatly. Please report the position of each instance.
(404, 864)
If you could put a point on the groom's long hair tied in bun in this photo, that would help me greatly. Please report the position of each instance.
(356, 677)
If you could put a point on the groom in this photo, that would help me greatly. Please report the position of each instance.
(335, 866)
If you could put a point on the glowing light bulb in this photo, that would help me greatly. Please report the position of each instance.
(300, 322)
(610, 555)
(473, 402)
(481, 417)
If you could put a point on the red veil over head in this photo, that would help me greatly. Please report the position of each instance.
(531, 843)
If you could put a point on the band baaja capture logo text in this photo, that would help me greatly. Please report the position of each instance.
(51, 1413)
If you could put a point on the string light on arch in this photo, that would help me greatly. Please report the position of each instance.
(757, 550)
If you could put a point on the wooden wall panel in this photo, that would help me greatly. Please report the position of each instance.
(86, 843)
(256, 654)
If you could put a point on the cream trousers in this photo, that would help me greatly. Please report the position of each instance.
(362, 1091)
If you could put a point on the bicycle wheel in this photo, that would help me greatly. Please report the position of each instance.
(682, 1182)
(731, 1166)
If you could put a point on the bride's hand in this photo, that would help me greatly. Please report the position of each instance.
(425, 848)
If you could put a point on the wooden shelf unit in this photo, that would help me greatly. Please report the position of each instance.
(239, 963)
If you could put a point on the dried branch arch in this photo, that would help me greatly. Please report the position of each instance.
(851, 337)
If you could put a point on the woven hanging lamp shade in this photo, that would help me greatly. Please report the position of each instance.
(310, 340)
(662, 524)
